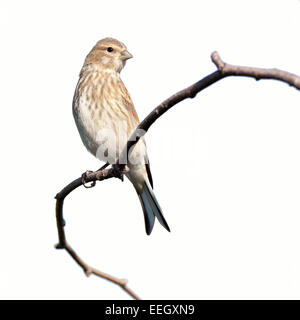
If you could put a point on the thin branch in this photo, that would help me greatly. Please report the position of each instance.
(117, 170)
(224, 70)
(89, 270)
(91, 176)
(98, 175)
(256, 73)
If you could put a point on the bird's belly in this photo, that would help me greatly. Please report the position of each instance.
(103, 134)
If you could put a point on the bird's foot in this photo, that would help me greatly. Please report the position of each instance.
(84, 177)
(120, 171)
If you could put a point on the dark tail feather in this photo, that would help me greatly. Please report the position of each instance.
(151, 209)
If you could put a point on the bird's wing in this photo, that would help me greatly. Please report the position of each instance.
(127, 101)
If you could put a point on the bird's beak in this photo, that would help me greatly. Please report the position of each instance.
(125, 55)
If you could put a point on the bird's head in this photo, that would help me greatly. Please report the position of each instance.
(109, 54)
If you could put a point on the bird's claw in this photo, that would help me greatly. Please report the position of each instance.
(84, 182)
(119, 172)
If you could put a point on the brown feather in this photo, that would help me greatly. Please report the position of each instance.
(126, 100)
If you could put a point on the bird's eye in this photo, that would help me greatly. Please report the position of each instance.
(110, 49)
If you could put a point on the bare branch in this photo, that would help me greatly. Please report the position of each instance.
(99, 175)
(257, 73)
(117, 170)
(91, 176)
(224, 70)
(89, 270)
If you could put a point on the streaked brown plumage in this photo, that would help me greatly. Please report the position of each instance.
(105, 118)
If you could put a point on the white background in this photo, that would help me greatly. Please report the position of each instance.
(225, 164)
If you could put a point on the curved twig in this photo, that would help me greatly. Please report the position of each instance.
(256, 73)
(117, 170)
(98, 175)
(89, 270)
(224, 70)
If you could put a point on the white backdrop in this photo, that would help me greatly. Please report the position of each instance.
(231, 196)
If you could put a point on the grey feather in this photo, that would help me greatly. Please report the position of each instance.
(151, 208)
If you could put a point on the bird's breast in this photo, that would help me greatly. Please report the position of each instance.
(102, 119)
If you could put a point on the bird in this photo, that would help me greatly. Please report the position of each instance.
(105, 118)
